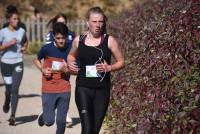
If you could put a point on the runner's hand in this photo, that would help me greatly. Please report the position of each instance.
(73, 67)
(47, 72)
(13, 42)
(64, 67)
(103, 67)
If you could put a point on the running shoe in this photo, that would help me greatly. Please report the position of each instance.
(12, 121)
(40, 120)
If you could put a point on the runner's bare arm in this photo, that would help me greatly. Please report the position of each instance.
(117, 54)
(38, 64)
(71, 58)
(47, 72)
(7, 45)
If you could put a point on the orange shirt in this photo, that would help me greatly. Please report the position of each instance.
(58, 82)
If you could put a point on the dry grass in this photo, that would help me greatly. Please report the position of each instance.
(73, 8)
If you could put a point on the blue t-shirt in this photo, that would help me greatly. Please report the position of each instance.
(50, 50)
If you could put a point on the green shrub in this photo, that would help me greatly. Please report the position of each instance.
(158, 91)
(34, 47)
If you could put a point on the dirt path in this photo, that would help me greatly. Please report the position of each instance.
(29, 106)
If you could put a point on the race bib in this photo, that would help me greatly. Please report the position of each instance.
(91, 71)
(56, 65)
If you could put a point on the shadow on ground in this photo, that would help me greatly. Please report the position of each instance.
(75, 121)
(2, 84)
(28, 95)
(25, 119)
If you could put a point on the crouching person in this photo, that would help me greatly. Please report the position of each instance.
(56, 89)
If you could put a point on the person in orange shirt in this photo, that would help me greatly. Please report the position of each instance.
(60, 17)
(56, 89)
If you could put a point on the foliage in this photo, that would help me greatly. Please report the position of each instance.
(158, 90)
(34, 47)
(72, 8)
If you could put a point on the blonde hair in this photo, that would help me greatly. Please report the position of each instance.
(98, 10)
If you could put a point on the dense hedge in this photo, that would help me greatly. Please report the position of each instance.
(158, 91)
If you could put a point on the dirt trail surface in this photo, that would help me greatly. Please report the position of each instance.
(29, 106)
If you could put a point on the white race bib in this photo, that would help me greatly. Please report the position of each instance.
(56, 65)
(91, 71)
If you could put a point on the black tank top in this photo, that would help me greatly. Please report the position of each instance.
(89, 55)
